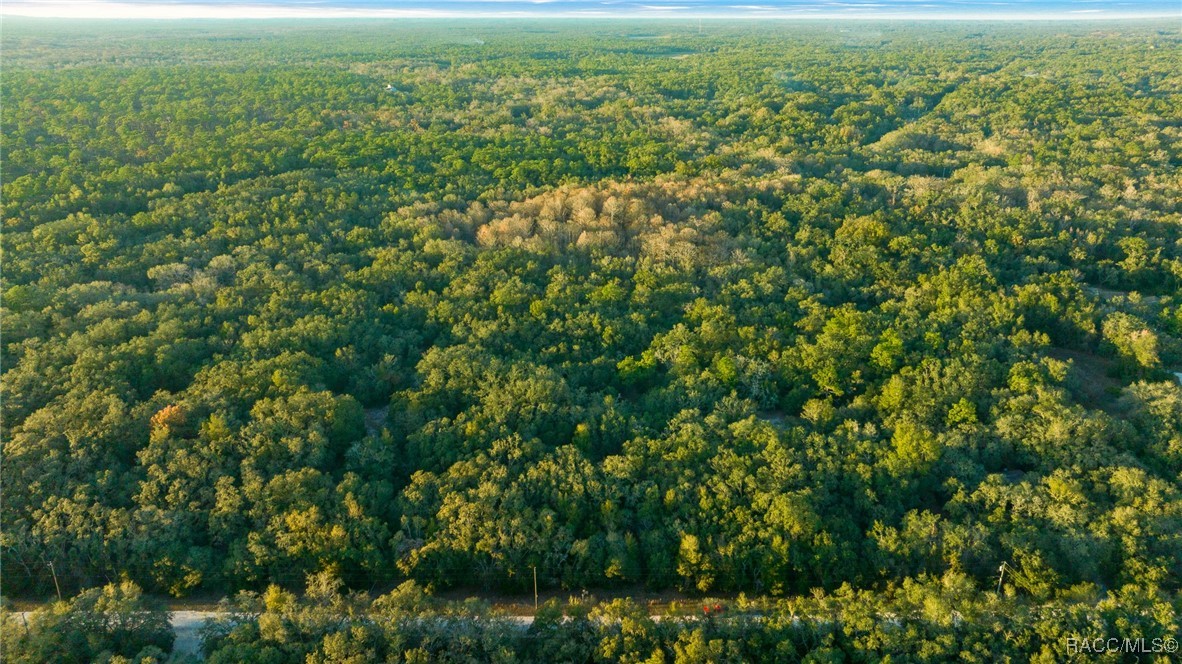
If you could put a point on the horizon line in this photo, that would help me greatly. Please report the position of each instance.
(164, 11)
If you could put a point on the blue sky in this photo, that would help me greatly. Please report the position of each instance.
(1169, 11)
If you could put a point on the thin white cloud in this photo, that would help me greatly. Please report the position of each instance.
(126, 10)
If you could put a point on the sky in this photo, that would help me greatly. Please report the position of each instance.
(1169, 11)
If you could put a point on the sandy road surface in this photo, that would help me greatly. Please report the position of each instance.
(185, 624)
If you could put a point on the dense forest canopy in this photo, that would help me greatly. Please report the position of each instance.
(761, 308)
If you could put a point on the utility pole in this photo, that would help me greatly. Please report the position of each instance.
(535, 588)
(1001, 576)
(55, 585)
